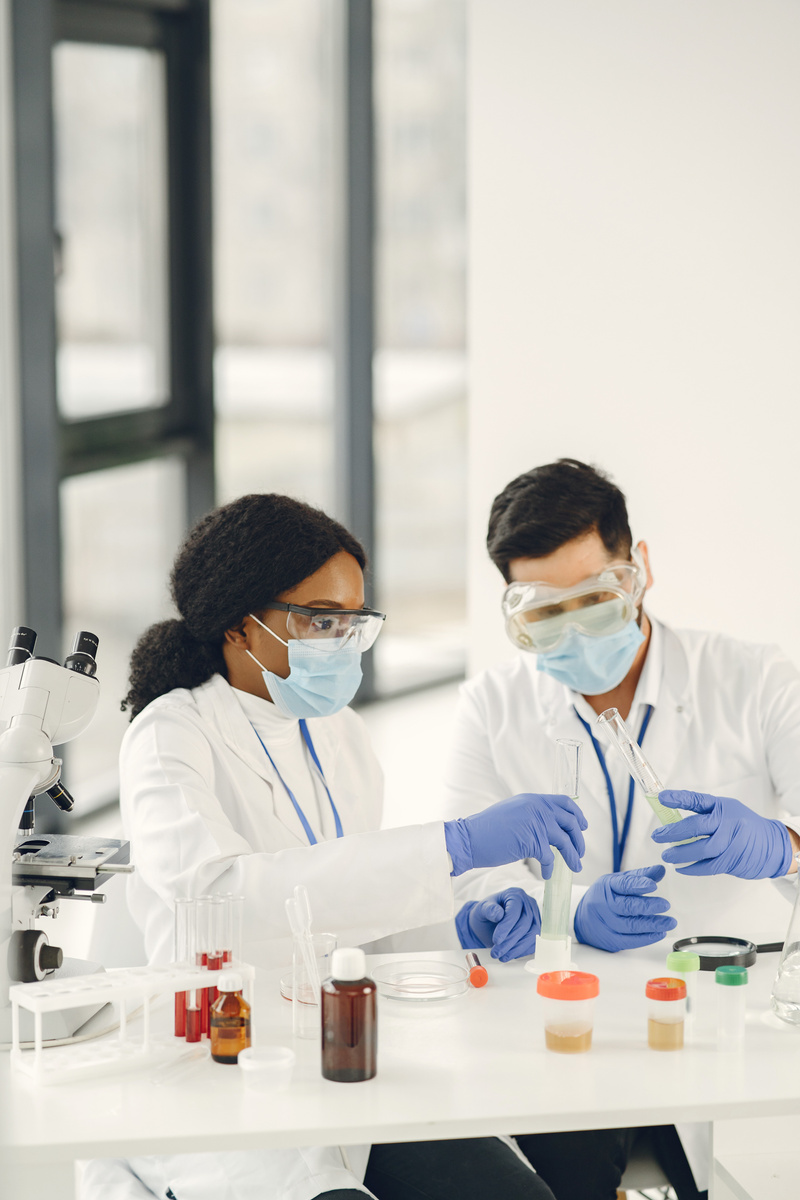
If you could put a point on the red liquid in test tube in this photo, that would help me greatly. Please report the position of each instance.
(193, 1022)
(180, 1014)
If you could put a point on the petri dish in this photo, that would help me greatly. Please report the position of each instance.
(421, 982)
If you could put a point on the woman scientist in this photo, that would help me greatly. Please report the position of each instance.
(244, 771)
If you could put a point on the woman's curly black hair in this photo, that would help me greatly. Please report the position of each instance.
(235, 560)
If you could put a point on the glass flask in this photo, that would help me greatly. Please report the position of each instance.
(785, 999)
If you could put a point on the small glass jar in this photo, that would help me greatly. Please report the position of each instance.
(731, 1005)
(568, 999)
(230, 1020)
(666, 1013)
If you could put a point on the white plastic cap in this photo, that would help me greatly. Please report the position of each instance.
(348, 963)
(229, 981)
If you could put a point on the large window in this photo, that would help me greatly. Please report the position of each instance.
(272, 202)
(111, 228)
(420, 361)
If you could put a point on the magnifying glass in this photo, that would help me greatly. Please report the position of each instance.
(725, 951)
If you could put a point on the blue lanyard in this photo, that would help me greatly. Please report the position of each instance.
(619, 843)
(303, 821)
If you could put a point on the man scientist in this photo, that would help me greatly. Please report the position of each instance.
(715, 715)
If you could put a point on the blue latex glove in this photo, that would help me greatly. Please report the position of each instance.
(616, 913)
(507, 922)
(524, 826)
(733, 840)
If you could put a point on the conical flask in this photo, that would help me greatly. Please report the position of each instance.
(785, 999)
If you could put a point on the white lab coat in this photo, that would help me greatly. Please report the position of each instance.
(204, 811)
(726, 721)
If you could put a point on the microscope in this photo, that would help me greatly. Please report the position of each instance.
(43, 704)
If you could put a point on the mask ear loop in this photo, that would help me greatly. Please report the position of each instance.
(277, 639)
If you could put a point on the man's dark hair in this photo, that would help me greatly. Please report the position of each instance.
(546, 507)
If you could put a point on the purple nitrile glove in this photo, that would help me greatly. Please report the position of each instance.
(507, 923)
(524, 826)
(731, 839)
(617, 914)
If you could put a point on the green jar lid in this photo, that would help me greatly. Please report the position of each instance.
(683, 960)
(731, 976)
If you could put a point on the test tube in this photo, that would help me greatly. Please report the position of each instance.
(638, 765)
(183, 955)
(553, 943)
(234, 914)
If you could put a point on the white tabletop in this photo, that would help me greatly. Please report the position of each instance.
(481, 1067)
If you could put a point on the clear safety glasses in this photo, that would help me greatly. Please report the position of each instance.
(332, 628)
(539, 616)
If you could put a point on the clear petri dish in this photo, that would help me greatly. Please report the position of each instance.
(420, 982)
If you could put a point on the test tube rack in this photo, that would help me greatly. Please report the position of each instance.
(129, 988)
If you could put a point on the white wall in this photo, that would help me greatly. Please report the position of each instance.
(10, 573)
(635, 286)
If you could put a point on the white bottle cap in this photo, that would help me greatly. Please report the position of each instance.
(229, 981)
(348, 963)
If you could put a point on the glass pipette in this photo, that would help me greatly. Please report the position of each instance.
(638, 765)
(553, 944)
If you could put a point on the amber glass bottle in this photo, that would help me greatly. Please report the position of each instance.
(230, 1020)
(349, 1020)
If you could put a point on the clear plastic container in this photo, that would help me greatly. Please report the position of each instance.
(267, 1068)
(666, 1013)
(685, 965)
(568, 999)
(731, 1005)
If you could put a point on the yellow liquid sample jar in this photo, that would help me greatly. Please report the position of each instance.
(568, 999)
(666, 1013)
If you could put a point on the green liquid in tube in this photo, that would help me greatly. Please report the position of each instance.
(556, 901)
(667, 816)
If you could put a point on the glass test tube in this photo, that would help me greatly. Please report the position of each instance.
(183, 955)
(638, 765)
(234, 915)
(558, 888)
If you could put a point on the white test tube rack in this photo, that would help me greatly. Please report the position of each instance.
(128, 988)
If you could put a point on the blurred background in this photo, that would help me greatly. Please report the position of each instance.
(235, 244)
(253, 292)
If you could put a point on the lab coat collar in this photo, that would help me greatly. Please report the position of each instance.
(664, 683)
(217, 703)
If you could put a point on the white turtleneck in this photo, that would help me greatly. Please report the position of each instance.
(282, 737)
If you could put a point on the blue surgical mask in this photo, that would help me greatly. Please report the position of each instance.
(593, 665)
(320, 682)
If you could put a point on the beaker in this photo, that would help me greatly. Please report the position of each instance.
(305, 997)
(553, 943)
(612, 723)
(785, 999)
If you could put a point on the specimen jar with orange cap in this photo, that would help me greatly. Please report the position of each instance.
(568, 1007)
(666, 1013)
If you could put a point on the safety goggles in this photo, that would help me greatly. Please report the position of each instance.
(539, 616)
(332, 628)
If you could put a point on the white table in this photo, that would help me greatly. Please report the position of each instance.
(480, 1069)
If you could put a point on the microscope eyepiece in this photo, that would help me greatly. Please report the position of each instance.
(21, 646)
(82, 657)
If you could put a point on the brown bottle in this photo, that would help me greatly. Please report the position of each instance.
(349, 1020)
(230, 1020)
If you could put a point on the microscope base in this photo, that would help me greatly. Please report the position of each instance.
(56, 1025)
